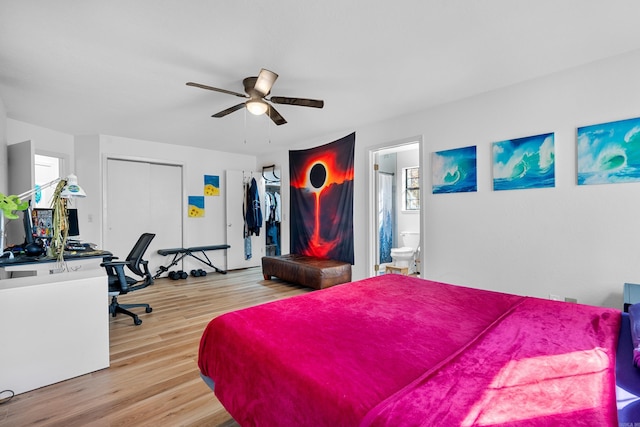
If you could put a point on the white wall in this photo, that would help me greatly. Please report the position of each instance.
(407, 220)
(571, 241)
(4, 184)
(88, 152)
(196, 162)
(46, 141)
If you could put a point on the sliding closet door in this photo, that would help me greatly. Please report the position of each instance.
(143, 197)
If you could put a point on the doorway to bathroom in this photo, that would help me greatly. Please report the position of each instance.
(395, 215)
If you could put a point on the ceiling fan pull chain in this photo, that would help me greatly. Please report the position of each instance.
(269, 126)
(245, 125)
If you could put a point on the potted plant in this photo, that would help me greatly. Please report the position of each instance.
(60, 222)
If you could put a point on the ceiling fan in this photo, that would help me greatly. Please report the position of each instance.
(257, 89)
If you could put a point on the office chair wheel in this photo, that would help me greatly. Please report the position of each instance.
(137, 321)
(148, 310)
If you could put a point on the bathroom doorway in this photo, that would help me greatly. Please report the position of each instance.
(395, 214)
(46, 169)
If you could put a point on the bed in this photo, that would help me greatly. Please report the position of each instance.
(401, 351)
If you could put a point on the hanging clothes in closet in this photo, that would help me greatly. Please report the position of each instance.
(272, 215)
(252, 215)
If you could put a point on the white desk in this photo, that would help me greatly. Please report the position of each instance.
(52, 328)
(73, 262)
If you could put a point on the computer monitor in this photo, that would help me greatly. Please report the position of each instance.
(28, 226)
(72, 217)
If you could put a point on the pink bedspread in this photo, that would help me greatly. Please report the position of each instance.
(401, 351)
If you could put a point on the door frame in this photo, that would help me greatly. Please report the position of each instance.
(373, 199)
(234, 179)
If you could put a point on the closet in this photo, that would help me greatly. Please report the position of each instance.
(267, 242)
(241, 245)
(272, 210)
(142, 196)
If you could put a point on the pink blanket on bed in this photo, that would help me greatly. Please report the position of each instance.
(397, 351)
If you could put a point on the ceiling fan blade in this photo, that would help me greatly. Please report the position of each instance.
(303, 102)
(229, 92)
(265, 81)
(229, 110)
(275, 116)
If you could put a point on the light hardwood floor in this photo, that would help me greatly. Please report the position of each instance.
(153, 379)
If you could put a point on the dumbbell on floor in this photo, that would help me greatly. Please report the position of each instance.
(198, 273)
(177, 275)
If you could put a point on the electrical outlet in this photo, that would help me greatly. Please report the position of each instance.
(555, 297)
(569, 299)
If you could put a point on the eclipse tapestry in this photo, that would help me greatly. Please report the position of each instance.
(322, 200)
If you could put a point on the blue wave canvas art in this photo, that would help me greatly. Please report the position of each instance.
(609, 152)
(524, 163)
(454, 171)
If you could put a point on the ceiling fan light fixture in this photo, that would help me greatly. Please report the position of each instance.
(257, 106)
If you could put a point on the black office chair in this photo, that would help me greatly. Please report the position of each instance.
(120, 284)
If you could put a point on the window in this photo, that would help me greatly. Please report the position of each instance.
(411, 188)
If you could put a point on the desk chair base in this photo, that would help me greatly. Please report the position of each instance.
(115, 307)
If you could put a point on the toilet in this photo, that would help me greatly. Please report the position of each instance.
(405, 255)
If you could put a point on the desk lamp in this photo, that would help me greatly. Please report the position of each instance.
(70, 189)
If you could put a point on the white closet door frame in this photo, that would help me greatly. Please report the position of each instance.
(235, 224)
(139, 212)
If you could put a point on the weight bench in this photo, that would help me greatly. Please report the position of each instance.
(180, 253)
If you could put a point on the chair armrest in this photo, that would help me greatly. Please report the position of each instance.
(113, 263)
(116, 268)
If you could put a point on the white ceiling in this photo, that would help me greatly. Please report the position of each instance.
(119, 67)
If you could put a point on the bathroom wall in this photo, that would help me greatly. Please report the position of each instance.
(406, 220)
